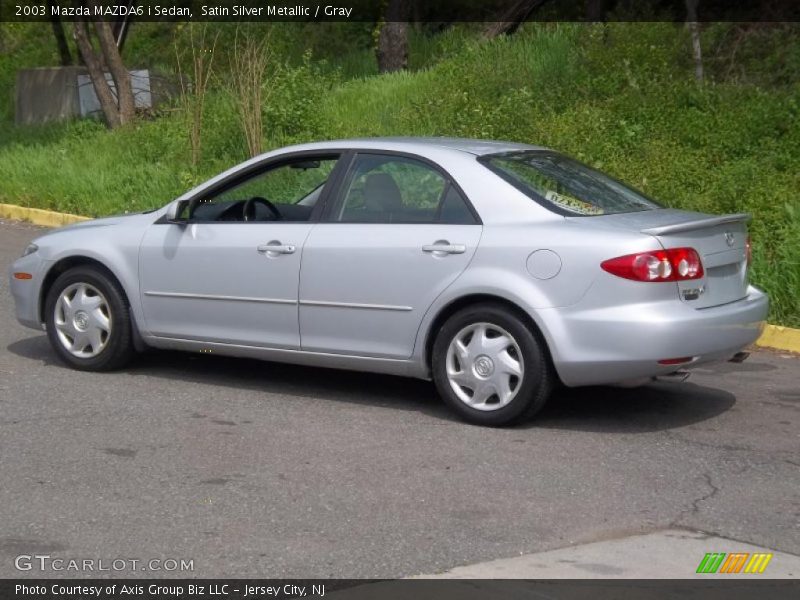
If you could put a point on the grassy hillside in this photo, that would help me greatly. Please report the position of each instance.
(621, 97)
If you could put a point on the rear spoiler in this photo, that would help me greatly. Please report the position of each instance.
(698, 224)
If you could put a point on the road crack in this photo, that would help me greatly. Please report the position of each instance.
(695, 506)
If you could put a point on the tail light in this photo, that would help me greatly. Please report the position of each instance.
(674, 264)
(676, 361)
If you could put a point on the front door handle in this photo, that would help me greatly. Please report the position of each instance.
(442, 247)
(274, 248)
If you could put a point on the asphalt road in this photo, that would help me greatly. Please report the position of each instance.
(266, 470)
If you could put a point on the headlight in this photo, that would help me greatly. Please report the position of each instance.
(30, 249)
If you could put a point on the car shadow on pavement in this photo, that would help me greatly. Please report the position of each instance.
(401, 393)
(654, 407)
(651, 407)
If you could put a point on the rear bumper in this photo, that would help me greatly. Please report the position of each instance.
(620, 343)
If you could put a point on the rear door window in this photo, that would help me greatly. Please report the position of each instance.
(398, 189)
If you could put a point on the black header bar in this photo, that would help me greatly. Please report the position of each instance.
(438, 11)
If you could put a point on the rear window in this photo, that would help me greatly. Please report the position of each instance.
(565, 185)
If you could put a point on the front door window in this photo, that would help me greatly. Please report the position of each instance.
(288, 192)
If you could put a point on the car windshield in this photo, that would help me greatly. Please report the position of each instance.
(566, 185)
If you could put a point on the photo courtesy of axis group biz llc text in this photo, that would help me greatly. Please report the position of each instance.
(388, 299)
(170, 589)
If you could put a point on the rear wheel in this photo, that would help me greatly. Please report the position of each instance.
(88, 320)
(490, 367)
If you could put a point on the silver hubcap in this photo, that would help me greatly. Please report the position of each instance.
(484, 366)
(82, 320)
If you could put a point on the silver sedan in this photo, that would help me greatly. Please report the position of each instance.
(496, 269)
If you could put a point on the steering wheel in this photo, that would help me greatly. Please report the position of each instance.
(249, 208)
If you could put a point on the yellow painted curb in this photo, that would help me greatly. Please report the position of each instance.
(774, 336)
(37, 216)
(782, 338)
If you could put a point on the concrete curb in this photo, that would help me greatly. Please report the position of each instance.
(671, 553)
(781, 338)
(37, 216)
(774, 336)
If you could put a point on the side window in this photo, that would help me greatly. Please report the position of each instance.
(287, 192)
(395, 189)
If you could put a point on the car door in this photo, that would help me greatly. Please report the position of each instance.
(398, 232)
(229, 273)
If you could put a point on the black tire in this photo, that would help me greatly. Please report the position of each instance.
(536, 382)
(118, 348)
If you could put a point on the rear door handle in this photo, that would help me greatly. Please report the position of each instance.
(275, 248)
(445, 248)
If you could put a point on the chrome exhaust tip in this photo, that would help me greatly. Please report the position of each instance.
(739, 357)
(676, 377)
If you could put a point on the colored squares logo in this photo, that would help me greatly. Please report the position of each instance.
(734, 562)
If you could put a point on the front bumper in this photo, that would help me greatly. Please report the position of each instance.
(26, 292)
(621, 343)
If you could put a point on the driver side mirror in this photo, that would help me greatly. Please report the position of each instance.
(177, 212)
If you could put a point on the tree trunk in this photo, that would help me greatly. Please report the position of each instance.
(120, 75)
(104, 94)
(694, 31)
(511, 19)
(393, 39)
(61, 40)
(393, 47)
(595, 11)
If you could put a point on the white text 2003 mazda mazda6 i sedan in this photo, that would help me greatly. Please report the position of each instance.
(497, 269)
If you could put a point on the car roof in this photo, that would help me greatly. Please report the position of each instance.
(411, 144)
(423, 146)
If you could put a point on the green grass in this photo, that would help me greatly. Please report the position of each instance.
(622, 98)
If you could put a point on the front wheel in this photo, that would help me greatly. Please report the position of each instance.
(490, 367)
(88, 320)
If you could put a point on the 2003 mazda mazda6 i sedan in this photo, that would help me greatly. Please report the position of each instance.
(497, 269)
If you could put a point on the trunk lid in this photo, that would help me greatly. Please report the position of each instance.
(720, 241)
